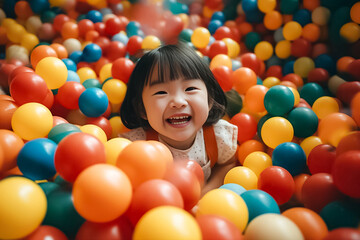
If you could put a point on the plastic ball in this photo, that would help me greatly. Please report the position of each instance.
(343, 233)
(144, 160)
(217, 227)
(254, 98)
(279, 100)
(58, 132)
(276, 130)
(272, 226)
(229, 205)
(44, 231)
(151, 194)
(243, 78)
(72, 45)
(270, 82)
(263, 50)
(76, 152)
(68, 94)
(200, 37)
(334, 127)
(324, 106)
(304, 121)
(292, 30)
(122, 69)
(303, 65)
(36, 159)
(7, 109)
(248, 147)
(290, 156)
(95, 194)
(236, 188)
(350, 31)
(53, 71)
(93, 102)
(266, 5)
(257, 161)
(23, 197)
(311, 92)
(11, 144)
(321, 159)
(222, 75)
(308, 221)
(94, 130)
(246, 124)
(32, 120)
(91, 53)
(150, 42)
(242, 176)
(41, 52)
(283, 49)
(345, 175)
(319, 190)
(115, 90)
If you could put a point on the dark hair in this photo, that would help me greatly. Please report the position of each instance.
(172, 62)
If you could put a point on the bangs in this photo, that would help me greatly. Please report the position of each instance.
(170, 65)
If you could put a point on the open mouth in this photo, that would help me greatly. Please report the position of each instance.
(178, 120)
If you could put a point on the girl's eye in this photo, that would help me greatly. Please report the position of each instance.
(160, 93)
(190, 89)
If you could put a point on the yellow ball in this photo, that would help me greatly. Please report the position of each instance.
(57, 3)
(224, 203)
(94, 130)
(350, 31)
(200, 37)
(283, 49)
(276, 130)
(105, 72)
(324, 106)
(264, 50)
(309, 143)
(86, 73)
(115, 89)
(167, 222)
(22, 207)
(257, 161)
(113, 147)
(303, 65)
(32, 120)
(53, 71)
(117, 126)
(221, 60)
(296, 95)
(292, 30)
(150, 42)
(271, 81)
(266, 6)
(233, 47)
(243, 176)
(15, 33)
(29, 41)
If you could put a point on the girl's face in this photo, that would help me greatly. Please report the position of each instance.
(176, 109)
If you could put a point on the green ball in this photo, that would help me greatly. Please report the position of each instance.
(289, 6)
(279, 100)
(251, 39)
(234, 103)
(91, 82)
(62, 130)
(185, 35)
(304, 121)
(310, 92)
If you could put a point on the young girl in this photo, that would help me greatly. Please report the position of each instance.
(173, 93)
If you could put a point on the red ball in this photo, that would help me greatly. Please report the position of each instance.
(347, 91)
(103, 123)
(172, 28)
(274, 71)
(69, 93)
(222, 75)
(217, 227)
(222, 32)
(301, 48)
(134, 45)
(251, 61)
(122, 69)
(47, 232)
(114, 25)
(343, 233)
(319, 76)
(354, 69)
(84, 26)
(76, 152)
(115, 50)
(247, 126)
(100, 28)
(348, 143)
(321, 159)
(18, 70)
(277, 182)
(319, 190)
(103, 43)
(346, 173)
(217, 47)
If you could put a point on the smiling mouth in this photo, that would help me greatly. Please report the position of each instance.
(178, 120)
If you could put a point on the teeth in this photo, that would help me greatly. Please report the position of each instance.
(179, 122)
(177, 118)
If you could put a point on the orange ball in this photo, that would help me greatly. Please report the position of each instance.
(343, 63)
(299, 182)
(311, 32)
(248, 147)
(311, 225)
(7, 109)
(243, 78)
(143, 160)
(273, 20)
(254, 98)
(97, 190)
(11, 144)
(70, 30)
(355, 108)
(23, 10)
(60, 50)
(41, 52)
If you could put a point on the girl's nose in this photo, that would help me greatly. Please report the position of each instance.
(178, 101)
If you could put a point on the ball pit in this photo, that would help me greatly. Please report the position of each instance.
(289, 70)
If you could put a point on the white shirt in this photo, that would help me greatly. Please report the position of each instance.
(226, 140)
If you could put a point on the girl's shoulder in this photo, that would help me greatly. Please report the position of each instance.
(226, 139)
(134, 134)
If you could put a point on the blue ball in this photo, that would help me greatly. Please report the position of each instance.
(93, 102)
(327, 62)
(235, 64)
(38, 6)
(132, 28)
(76, 56)
(70, 64)
(249, 5)
(178, 8)
(94, 16)
(236, 188)
(259, 202)
(36, 159)
(290, 156)
(214, 25)
(91, 53)
(288, 67)
(218, 16)
(302, 16)
(73, 77)
(120, 37)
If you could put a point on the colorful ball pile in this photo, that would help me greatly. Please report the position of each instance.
(291, 74)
